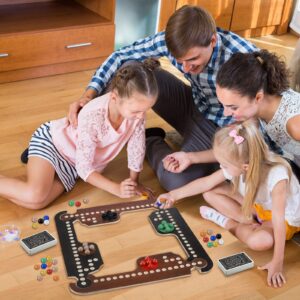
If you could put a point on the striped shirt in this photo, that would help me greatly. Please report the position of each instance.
(203, 84)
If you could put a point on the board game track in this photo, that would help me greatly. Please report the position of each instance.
(80, 265)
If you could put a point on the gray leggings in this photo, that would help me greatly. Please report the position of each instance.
(176, 106)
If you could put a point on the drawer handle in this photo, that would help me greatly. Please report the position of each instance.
(3, 54)
(78, 45)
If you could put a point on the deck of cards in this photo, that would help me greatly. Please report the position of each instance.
(235, 263)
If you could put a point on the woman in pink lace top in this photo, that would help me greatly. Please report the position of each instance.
(59, 153)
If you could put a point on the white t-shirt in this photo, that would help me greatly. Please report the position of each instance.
(264, 194)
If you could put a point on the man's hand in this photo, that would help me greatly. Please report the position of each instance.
(74, 109)
(176, 162)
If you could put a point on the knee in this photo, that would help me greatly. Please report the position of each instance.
(35, 198)
(170, 181)
(208, 195)
(260, 242)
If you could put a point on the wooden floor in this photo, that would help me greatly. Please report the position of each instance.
(25, 105)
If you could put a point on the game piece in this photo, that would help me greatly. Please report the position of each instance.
(77, 203)
(85, 200)
(36, 267)
(158, 204)
(203, 233)
(205, 239)
(71, 203)
(9, 233)
(210, 244)
(46, 217)
(149, 263)
(218, 236)
(49, 271)
(46, 222)
(41, 221)
(235, 263)
(165, 227)
(54, 269)
(212, 237)
(39, 278)
(210, 231)
(38, 242)
(215, 243)
(43, 260)
(43, 272)
(221, 242)
(55, 277)
(35, 225)
(109, 215)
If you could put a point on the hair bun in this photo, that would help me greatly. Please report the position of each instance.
(125, 74)
(151, 64)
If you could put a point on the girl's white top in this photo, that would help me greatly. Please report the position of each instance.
(264, 194)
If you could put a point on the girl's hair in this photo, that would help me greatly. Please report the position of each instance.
(136, 76)
(190, 26)
(248, 73)
(252, 151)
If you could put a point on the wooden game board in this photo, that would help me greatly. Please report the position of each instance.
(168, 265)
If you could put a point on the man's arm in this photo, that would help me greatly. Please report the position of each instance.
(153, 46)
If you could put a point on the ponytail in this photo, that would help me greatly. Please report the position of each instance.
(248, 73)
(276, 74)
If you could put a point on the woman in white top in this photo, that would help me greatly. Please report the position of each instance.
(263, 183)
(255, 85)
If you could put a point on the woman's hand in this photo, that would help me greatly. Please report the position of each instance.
(275, 276)
(177, 162)
(164, 201)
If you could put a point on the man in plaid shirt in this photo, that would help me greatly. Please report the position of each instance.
(197, 48)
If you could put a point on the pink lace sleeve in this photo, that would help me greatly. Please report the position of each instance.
(136, 147)
(90, 127)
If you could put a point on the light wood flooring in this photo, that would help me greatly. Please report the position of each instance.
(25, 105)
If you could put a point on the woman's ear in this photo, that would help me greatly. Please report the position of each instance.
(259, 96)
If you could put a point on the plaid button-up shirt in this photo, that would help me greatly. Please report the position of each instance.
(203, 84)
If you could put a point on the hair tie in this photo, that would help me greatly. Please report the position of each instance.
(260, 60)
(238, 139)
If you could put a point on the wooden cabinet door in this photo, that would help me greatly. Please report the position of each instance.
(221, 10)
(248, 14)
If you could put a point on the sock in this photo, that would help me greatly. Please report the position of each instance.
(211, 214)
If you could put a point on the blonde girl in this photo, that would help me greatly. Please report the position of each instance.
(260, 183)
(59, 153)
